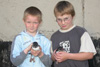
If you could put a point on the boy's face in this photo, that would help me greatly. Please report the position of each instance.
(65, 21)
(31, 24)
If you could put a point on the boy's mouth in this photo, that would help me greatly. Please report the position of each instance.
(64, 26)
(31, 28)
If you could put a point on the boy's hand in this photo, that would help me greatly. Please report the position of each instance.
(28, 49)
(37, 53)
(61, 56)
(54, 55)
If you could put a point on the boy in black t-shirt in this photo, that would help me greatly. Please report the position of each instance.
(75, 40)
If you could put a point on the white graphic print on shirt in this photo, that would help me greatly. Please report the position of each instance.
(65, 45)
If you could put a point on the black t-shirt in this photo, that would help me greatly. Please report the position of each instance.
(71, 42)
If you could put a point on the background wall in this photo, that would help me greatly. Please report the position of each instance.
(11, 14)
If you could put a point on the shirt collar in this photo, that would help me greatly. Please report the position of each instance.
(64, 31)
(30, 34)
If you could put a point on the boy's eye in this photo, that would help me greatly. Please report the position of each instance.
(58, 20)
(28, 22)
(65, 18)
(35, 22)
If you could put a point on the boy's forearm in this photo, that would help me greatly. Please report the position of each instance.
(26, 51)
(46, 60)
(80, 56)
(40, 54)
(52, 57)
(19, 59)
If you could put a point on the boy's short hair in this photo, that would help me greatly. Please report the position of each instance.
(64, 7)
(34, 12)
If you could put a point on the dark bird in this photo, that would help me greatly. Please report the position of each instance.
(35, 47)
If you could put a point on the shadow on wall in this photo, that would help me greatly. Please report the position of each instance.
(5, 54)
(6, 46)
(95, 62)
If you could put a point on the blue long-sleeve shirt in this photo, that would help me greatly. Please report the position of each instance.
(22, 41)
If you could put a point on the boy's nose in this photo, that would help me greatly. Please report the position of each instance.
(32, 24)
(63, 22)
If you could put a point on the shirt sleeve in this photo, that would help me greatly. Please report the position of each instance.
(87, 44)
(17, 56)
(51, 49)
(46, 59)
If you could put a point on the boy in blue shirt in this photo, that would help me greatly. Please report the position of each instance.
(21, 47)
(75, 40)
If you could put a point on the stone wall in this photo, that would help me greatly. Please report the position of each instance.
(5, 54)
(11, 14)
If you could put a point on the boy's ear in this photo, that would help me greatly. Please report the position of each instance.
(73, 17)
(40, 22)
(23, 20)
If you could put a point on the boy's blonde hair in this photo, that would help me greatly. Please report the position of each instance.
(64, 7)
(34, 12)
